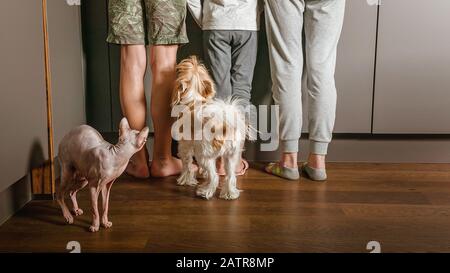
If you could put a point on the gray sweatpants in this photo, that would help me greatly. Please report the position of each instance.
(314, 58)
(230, 55)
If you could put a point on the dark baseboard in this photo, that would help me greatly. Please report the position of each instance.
(19, 194)
(389, 150)
(387, 136)
(14, 198)
(43, 196)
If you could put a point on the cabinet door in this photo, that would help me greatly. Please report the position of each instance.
(412, 93)
(23, 138)
(355, 68)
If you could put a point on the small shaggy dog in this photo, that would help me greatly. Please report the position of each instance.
(88, 160)
(206, 129)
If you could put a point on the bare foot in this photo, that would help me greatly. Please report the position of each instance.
(137, 170)
(241, 168)
(220, 167)
(165, 167)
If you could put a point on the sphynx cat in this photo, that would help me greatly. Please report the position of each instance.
(88, 160)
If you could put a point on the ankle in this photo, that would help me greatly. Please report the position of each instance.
(316, 161)
(138, 163)
(289, 160)
(165, 158)
(140, 158)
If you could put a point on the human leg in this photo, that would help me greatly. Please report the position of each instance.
(284, 21)
(323, 25)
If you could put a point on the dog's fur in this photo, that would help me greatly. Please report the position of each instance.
(194, 89)
(88, 160)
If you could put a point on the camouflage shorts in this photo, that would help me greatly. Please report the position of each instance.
(155, 22)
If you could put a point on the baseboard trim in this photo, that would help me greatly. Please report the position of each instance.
(389, 150)
(14, 198)
(43, 196)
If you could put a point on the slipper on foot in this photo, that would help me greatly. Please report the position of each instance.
(313, 173)
(283, 172)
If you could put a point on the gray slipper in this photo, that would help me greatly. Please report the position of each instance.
(313, 173)
(283, 172)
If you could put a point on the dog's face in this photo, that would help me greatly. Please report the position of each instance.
(132, 137)
(193, 83)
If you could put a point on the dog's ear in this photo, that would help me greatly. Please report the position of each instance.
(208, 88)
(123, 126)
(142, 137)
(207, 84)
(176, 93)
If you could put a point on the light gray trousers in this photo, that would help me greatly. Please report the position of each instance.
(313, 56)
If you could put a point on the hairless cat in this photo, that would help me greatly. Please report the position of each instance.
(88, 160)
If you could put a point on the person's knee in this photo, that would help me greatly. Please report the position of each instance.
(321, 79)
(134, 59)
(321, 67)
(163, 67)
(163, 61)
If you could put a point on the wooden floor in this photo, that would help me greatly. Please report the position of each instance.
(405, 207)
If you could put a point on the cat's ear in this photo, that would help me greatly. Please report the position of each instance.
(123, 126)
(142, 137)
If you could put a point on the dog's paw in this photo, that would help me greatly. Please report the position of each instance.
(229, 194)
(201, 173)
(205, 192)
(93, 228)
(192, 182)
(187, 180)
(69, 218)
(181, 181)
(77, 212)
(107, 224)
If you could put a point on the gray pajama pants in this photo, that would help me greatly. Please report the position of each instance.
(230, 55)
(313, 57)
